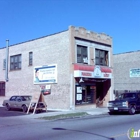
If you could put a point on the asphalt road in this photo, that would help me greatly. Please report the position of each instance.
(14, 112)
(100, 127)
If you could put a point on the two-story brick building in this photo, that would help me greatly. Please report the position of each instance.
(84, 68)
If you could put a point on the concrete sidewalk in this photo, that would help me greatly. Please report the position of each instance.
(94, 111)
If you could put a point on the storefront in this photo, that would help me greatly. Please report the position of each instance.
(92, 83)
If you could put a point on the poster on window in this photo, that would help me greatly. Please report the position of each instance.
(79, 97)
(79, 89)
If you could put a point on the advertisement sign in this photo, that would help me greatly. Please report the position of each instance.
(45, 74)
(97, 73)
(45, 89)
(79, 89)
(35, 97)
(79, 97)
(135, 72)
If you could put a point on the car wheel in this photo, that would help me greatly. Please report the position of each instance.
(24, 108)
(8, 107)
(132, 110)
(37, 111)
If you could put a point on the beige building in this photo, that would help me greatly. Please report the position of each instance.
(83, 73)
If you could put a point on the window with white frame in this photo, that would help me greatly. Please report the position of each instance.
(101, 57)
(82, 56)
(15, 62)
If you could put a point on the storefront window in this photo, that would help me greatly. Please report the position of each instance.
(85, 94)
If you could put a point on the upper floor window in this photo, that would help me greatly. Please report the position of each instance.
(101, 57)
(15, 62)
(30, 58)
(4, 64)
(82, 54)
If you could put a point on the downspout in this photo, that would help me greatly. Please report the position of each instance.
(7, 56)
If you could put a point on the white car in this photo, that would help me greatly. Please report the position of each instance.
(18, 102)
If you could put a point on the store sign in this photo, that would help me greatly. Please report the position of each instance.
(45, 74)
(97, 73)
(135, 72)
(106, 75)
(86, 74)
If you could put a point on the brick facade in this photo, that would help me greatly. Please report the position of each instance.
(122, 65)
(60, 49)
(47, 50)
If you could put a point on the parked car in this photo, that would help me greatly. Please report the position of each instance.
(40, 107)
(126, 102)
(18, 102)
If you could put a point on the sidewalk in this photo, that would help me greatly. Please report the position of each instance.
(95, 111)
(50, 112)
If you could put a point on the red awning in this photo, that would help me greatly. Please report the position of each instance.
(91, 68)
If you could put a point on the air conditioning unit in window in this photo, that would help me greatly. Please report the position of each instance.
(85, 60)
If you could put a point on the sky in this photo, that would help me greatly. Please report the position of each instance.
(23, 20)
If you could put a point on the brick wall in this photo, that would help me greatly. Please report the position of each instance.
(92, 40)
(2, 71)
(122, 65)
(53, 49)
(57, 49)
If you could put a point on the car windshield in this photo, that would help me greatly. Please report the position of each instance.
(128, 95)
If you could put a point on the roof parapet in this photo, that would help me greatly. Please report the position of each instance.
(87, 34)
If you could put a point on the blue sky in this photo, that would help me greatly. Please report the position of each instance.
(23, 20)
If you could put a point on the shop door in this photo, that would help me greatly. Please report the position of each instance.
(99, 89)
(102, 89)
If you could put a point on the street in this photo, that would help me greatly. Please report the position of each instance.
(14, 112)
(99, 127)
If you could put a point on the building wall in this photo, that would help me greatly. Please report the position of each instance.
(53, 49)
(57, 49)
(2, 57)
(122, 65)
(81, 36)
(2, 71)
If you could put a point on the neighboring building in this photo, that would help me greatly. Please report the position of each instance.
(84, 68)
(127, 71)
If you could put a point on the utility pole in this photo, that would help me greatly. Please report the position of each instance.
(7, 56)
